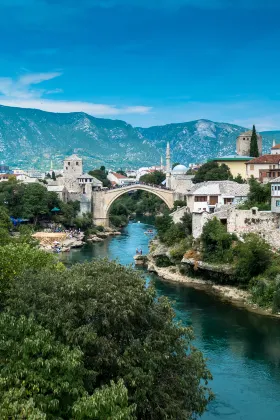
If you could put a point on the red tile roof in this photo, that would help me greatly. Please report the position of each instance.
(119, 176)
(277, 146)
(265, 159)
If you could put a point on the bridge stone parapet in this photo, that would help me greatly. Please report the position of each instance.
(102, 200)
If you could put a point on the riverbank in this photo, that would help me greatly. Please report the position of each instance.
(102, 235)
(231, 294)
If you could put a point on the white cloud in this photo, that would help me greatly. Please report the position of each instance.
(21, 93)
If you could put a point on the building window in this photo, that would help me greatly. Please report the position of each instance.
(251, 167)
(200, 198)
(244, 138)
(66, 168)
(273, 166)
(228, 200)
(77, 163)
(273, 174)
(277, 203)
(68, 163)
(213, 200)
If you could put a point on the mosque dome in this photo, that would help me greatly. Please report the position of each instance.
(179, 170)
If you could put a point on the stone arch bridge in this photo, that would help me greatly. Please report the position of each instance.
(102, 200)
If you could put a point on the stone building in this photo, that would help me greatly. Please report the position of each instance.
(244, 141)
(180, 182)
(74, 184)
(264, 223)
(210, 195)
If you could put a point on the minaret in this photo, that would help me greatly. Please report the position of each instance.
(161, 164)
(273, 143)
(168, 167)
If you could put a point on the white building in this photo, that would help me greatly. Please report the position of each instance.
(275, 195)
(256, 166)
(275, 150)
(119, 179)
(210, 195)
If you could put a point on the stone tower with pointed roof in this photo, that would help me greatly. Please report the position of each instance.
(243, 143)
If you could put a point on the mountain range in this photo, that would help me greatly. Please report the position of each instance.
(30, 138)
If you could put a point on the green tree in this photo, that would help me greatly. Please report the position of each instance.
(108, 402)
(253, 258)
(84, 222)
(53, 176)
(155, 178)
(162, 224)
(5, 221)
(254, 149)
(179, 203)
(239, 179)
(212, 171)
(215, 241)
(259, 196)
(39, 376)
(101, 174)
(125, 332)
(121, 172)
(16, 258)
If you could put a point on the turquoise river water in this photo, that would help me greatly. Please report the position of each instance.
(242, 348)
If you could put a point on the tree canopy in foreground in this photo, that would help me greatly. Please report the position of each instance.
(135, 360)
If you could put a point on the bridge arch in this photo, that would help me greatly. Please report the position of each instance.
(103, 200)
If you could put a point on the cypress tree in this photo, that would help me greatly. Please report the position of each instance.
(254, 150)
(53, 176)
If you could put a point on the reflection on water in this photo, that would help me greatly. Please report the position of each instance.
(243, 348)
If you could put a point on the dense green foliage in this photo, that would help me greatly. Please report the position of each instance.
(215, 241)
(34, 202)
(16, 258)
(254, 149)
(154, 178)
(212, 171)
(101, 174)
(37, 372)
(171, 233)
(179, 203)
(253, 258)
(5, 221)
(259, 196)
(124, 334)
(239, 179)
(109, 402)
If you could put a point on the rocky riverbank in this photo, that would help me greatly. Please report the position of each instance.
(172, 274)
(62, 241)
(101, 236)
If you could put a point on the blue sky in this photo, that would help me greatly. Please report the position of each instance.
(148, 62)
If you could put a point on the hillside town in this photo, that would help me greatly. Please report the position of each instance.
(204, 200)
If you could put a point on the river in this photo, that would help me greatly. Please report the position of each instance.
(242, 348)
